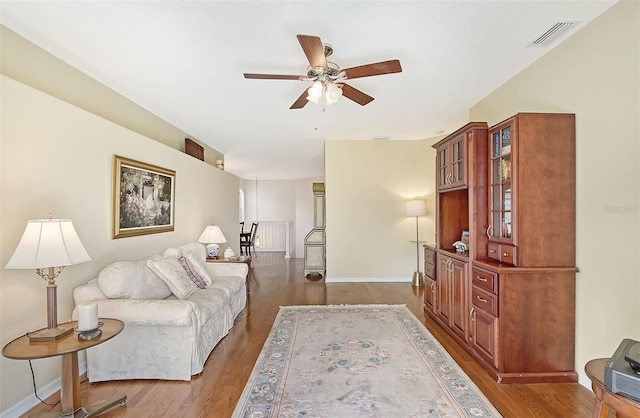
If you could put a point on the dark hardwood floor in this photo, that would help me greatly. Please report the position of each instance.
(275, 282)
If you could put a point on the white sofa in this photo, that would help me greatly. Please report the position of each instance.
(170, 327)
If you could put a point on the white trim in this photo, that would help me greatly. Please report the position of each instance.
(584, 380)
(44, 392)
(368, 280)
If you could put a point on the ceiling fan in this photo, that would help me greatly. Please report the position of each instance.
(328, 78)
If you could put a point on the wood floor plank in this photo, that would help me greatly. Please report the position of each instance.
(276, 281)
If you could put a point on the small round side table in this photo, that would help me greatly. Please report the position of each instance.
(68, 347)
(606, 400)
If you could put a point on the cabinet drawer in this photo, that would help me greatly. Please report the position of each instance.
(485, 301)
(508, 254)
(429, 256)
(430, 271)
(485, 280)
(503, 253)
(494, 251)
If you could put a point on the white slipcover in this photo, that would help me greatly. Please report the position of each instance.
(163, 338)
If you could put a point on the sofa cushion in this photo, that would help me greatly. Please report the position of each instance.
(174, 275)
(131, 279)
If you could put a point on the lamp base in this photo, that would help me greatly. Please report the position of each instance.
(213, 250)
(49, 334)
(418, 279)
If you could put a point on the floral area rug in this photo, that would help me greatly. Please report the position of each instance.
(357, 361)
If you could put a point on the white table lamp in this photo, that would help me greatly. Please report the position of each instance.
(48, 245)
(212, 236)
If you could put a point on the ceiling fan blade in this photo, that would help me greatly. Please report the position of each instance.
(356, 95)
(301, 101)
(378, 68)
(273, 76)
(313, 49)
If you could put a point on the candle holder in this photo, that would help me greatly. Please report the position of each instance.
(90, 334)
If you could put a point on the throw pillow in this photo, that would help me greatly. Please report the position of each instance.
(193, 275)
(176, 278)
(198, 267)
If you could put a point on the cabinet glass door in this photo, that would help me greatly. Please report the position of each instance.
(443, 165)
(501, 185)
(457, 162)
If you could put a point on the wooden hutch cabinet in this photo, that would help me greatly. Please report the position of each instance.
(516, 285)
(460, 193)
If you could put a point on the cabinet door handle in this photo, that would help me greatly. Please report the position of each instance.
(505, 254)
(483, 300)
(482, 279)
(471, 313)
(488, 234)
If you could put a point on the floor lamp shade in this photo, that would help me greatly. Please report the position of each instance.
(47, 244)
(416, 207)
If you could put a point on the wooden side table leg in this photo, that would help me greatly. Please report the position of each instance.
(70, 384)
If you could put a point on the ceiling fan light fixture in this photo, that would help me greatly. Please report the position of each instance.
(334, 92)
(314, 93)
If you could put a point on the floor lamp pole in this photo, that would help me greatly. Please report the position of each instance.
(418, 279)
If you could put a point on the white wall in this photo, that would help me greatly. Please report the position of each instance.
(282, 200)
(367, 182)
(57, 158)
(596, 75)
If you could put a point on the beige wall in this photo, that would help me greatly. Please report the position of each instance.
(57, 158)
(595, 74)
(367, 182)
(24, 61)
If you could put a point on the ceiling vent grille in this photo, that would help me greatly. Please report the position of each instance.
(553, 33)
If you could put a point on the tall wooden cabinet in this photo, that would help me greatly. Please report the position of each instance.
(516, 284)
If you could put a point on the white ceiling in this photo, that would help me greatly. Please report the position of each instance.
(184, 61)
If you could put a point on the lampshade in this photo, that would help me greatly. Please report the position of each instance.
(212, 235)
(415, 207)
(48, 243)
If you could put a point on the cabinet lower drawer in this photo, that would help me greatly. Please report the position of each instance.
(484, 301)
(429, 256)
(430, 271)
(485, 280)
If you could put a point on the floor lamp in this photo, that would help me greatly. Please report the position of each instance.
(416, 207)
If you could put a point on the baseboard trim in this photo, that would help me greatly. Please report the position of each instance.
(44, 392)
(368, 279)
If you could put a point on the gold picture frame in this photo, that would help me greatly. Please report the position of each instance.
(143, 198)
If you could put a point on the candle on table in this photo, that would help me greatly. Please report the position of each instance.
(87, 316)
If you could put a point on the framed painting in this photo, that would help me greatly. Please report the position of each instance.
(143, 198)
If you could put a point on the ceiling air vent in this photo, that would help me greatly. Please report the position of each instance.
(553, 33)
